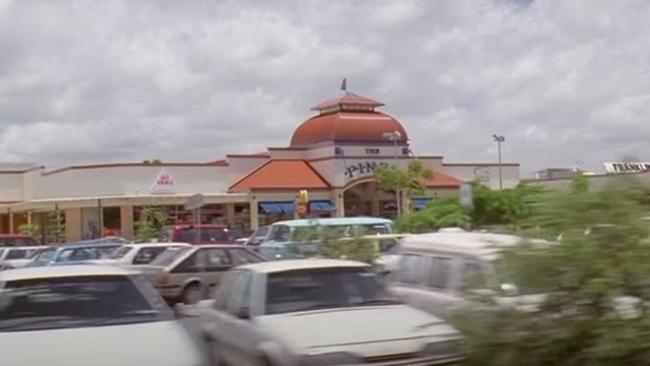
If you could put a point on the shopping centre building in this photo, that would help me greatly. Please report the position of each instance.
(333, 155)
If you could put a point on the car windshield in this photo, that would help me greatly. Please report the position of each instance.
(204, 235)
(169, 256)
(86, 253)
(81, 301)
(312, 289)
(120, 252)
(17, 254)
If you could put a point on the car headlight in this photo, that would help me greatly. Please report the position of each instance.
(450, 347)
(327, 359)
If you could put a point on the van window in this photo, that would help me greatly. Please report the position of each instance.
(280, 233)
(473, 276)
(439, 272)
(410, 268)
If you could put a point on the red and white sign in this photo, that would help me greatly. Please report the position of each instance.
(164, 184)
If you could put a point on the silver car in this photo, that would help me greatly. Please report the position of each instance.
(189, 274)
(88, 315)
(319, 312)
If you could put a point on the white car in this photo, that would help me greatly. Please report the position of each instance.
(319, 312)
(138, 254)
(447, 270)
(88, 315)
(17, 257)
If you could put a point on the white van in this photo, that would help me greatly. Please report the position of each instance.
(439, 271)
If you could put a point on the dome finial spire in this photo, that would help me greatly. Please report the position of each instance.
(344, 85)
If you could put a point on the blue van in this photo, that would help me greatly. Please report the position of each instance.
(287, 239)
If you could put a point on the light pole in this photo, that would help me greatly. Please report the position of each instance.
(394, 137)
(499, 139)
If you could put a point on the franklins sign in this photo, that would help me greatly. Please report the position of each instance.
(362, 169)
(629, 167)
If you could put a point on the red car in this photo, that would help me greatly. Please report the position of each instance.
(17, 240)
(197, 234)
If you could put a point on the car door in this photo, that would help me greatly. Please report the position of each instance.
(217, 261)
(216, 321)
(242, 333)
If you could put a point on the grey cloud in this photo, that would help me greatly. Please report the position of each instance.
(86, 81)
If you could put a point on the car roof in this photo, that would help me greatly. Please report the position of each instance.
(63, 271)
(85, 245)
(480, 244)
(155, 245)
(26, 247)
(227, 246)
(299, 264)
(331, 221)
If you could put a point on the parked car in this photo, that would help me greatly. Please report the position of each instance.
(189, 274)
(445, 271)
(319, 312)
(294, 238)
(73, 253)
(197, 234)
(88, 315)
(258, 236)
(16, 257)
(17, 240)
(138, 254)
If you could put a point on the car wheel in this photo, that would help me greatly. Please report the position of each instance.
(192, 294)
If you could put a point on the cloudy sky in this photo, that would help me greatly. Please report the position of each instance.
(92, 81)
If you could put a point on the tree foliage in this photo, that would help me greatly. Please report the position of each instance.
(440, 213)
(410, 180)
(149, 226)
(585, 277)
(504, 207)
(28, 229)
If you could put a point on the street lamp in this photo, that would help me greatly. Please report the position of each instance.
(394, 137)
(499, 139)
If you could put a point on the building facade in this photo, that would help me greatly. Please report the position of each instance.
(333, 155)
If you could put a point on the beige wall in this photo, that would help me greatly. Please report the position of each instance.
(470, 172)
(73, 224)
(11, 186)
(126, 221)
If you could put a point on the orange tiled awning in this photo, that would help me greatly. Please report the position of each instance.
(441, 180)
(281, 174)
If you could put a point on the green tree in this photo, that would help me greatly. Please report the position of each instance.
(149, 226)
(440, 213)
(28, 229)
(509, 207)
(579, 183)
(55, 227)
(583, 277)
(410, 181)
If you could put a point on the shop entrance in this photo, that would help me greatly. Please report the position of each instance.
(367, 198)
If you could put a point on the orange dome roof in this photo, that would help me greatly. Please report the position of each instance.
(351, 118)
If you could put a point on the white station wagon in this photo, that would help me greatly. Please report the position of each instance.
(319, 312)
(440, 272)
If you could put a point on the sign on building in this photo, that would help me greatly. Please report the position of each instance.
(194, 202)
(362, 168)
(628, 167)
(164, 184)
